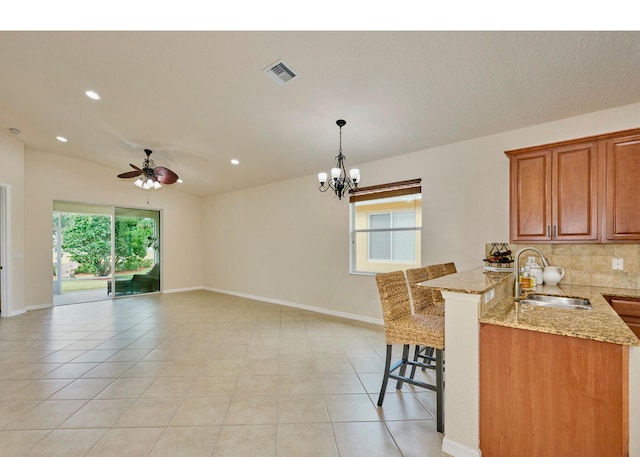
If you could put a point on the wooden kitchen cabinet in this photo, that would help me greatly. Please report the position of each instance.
(623, 188)
(554, 194)
(578, 191)
(629, 311)
(551, 395)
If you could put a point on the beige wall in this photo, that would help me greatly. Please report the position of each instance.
(52, 177)
(12, 179)
(284, 242)
(287, 242)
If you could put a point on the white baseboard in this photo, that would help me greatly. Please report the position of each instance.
(34, 307)
(15, 313)
(183, 289)
(459, 450)
(356, 317)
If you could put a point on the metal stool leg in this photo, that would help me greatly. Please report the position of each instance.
(387, 367)
(403, 368)
(439, 391)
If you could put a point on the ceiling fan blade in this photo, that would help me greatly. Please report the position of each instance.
(165, 176)
(134, 167)
(130, 174)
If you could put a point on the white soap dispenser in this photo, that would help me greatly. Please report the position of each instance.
(535, 270)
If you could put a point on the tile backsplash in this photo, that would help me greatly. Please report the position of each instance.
(590, 264)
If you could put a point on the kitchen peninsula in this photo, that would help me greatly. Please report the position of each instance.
(507, 363)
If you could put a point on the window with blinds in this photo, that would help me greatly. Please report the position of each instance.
(386, 222)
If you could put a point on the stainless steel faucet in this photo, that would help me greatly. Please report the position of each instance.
(516, 267)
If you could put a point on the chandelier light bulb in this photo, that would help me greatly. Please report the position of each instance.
(322, 177)
(138, 182)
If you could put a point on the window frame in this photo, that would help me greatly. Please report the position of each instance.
(384, 191)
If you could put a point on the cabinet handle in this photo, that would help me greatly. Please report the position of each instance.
(555, 231)
(548, 231)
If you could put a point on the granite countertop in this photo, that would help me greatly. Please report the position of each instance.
(475, 281)
(601, 323)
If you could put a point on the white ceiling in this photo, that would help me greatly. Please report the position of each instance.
(199, 99)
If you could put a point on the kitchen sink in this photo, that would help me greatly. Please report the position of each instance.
(554, 301)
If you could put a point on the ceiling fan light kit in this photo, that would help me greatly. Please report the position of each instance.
(150, 176)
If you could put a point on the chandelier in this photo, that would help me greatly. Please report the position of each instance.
(340, 182)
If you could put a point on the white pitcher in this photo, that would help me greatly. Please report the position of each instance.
(553, 275)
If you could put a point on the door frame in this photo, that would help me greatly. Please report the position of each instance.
(5, 247)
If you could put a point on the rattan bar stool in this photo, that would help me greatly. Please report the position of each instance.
(401, 327)
(423, 303)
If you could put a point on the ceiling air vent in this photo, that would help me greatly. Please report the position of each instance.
(280, 73)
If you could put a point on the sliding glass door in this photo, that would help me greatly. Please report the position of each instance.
(137, 251)
(81, 252)
(101, 252)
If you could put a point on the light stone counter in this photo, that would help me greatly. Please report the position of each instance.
(601, 323)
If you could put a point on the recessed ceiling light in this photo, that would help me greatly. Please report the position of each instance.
(14, 130)
(179, 181)
(93, 95)
(235, 161)
(61, 139)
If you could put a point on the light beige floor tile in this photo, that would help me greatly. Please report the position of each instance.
(252, 410)
(108, 370)
(271, 375)
(308, 440)
(95, 355)
(16, 443)
(150, 412)
(164, 387)
(146, 369)
(186, 442)
(61, 356)
(81, 389)
(46, 415)
(126, 388)
(213, 386)
(296, 366)
(371, 439)
(126, 442)
(256, 385)
(11, 410)
(246, 441)
(98, 413)
(302, 384)
(40, 389)
(261, 367)
(401, 406)
(367, 364)
(333, 365)
(341, 384)
(129, 355)
(70, 370)
(67, 443)
(201, 411)
(352, 407)
(416, 438)
(300, 409)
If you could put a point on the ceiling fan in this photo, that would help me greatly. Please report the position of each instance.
(150, 176)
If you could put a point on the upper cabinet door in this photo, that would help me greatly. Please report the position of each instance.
(531, 196)
(575, 192)
(623, 188)
(554, 194)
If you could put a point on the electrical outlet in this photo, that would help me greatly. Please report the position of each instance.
(618, 264)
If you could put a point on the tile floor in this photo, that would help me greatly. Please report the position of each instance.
(202, 374)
